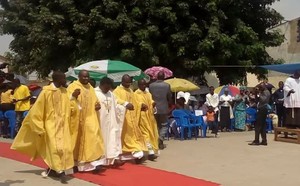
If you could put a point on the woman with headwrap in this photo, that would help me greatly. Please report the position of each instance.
(240, 109)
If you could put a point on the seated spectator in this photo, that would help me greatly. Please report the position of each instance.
(253, 98)
(6, 104)
(7, 98)
(172, 121)
(272, 115)
(201, 109)
(180, 104)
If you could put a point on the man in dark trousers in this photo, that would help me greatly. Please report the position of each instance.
(262, 112)
(278, 97)
(161, 94)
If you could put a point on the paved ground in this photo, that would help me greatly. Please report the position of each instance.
(16, 173)
(227, 160)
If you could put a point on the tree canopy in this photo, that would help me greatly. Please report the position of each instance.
(186, 36)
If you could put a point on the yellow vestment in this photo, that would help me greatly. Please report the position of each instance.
(85, 130)
(146, 119)
(132, 138)
(45, 130)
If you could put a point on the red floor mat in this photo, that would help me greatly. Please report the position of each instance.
(127, 175)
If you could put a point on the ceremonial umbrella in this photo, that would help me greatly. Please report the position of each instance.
(178, 84)
(108, 68)
(153, 71)
(232, 90)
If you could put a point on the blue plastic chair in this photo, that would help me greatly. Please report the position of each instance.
(25, 114)
(198, 122)
(183, 122)
(11, 116)
(269, 124)
(251, 116)
(1, 115)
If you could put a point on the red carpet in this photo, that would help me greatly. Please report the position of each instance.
(127, 175)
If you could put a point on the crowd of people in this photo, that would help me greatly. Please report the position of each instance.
(80, 127)
(14, 96)
(226, 113)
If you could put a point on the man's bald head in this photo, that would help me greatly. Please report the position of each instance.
(161, 75)
(142, 84)
(56, 75)
(59, 78)
(126, 81)
(84, 77)
(142, 81)
(83, 72)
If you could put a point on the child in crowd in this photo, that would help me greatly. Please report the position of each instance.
(211, 121)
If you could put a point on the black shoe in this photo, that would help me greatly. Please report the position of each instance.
(161, 145)
(138, 161)
(98, 169)
(63, 178)
(52, 173)
(152, 157)
(253, 143)
(264, 143)
(75, 169)
(118, 163)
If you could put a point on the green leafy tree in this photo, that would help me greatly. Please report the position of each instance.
(188, 36)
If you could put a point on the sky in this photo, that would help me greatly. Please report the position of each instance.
(289, 9)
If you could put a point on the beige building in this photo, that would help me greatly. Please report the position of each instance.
(289, 51)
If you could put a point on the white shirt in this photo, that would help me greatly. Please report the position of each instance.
(212, 100)
(292, 101)
(227, 99)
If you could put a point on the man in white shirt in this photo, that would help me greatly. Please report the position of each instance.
(292, 100)
(212, 99)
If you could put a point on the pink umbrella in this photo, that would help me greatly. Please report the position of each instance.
(153, 71)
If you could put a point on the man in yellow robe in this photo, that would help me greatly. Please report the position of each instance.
(85, 130)
(146, 119)
(45, 130)
(133, 143)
